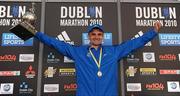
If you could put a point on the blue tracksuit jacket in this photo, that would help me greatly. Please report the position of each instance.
(89, 84)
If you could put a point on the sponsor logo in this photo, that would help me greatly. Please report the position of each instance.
(10, 39)
(26, 57)
(106, 41)
(148, 57)
(24, 88)
(64, 37)
(139, 34)
(49, 72)
(134, 87)
(51, 88)
(67, 60)
(30, 73)
(131, 71)
(67, 72)
(148, 15)
(169, 39)
(7, 58)
(9, 73)
(155, 86)
(70, 87)
(148, 71)
(52, 58)
(131, 59)
(173, 86)
(88, 55)
(167, 57)
(6, 88)
(163, 72)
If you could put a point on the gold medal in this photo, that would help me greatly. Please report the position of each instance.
(99, 73)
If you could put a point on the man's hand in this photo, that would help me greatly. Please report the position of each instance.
(157, 26)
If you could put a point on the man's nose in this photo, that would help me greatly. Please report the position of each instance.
(96, 36)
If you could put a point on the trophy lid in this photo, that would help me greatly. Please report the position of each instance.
(29, 17)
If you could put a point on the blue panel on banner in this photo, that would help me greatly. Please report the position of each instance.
(10, 39)
(107, 39)
(169, 39)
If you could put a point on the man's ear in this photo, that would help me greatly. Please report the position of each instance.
(103, 35)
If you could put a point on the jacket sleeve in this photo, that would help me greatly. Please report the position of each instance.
(125, 48)
(62, 47)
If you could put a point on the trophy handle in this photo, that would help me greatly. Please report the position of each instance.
(25, 29)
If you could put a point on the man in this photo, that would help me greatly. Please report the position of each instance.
(97, 65)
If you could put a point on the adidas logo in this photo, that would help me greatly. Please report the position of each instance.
(64, 37)
(140, 33)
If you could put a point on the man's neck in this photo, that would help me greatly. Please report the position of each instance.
(95, 46)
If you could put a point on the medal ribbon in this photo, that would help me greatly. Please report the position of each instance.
(95, 60)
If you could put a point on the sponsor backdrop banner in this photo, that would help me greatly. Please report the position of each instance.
(69, 22)
(153, 70)
(18, 59)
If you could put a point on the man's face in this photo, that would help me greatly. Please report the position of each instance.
(96, 37)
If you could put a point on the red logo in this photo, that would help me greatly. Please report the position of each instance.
(9, 73)
(30, 73)
(70, 87)
(155, 86)
(167, 57)
(169, 71)
(8, 58)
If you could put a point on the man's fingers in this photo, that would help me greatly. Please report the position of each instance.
(157, 26)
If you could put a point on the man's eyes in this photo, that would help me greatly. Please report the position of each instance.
(97, 34)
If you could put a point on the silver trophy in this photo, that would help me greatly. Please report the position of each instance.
(25, 29)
